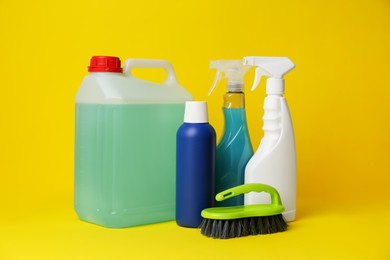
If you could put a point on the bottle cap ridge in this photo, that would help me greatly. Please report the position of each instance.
(105, 64)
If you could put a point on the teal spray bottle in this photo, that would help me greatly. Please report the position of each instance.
(234, 148)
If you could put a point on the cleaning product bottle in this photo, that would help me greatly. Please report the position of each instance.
(234, 148)
(125, 143)
(274, 162)
(195, 165)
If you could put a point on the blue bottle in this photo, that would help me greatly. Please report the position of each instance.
(234, 149)
(195, 165)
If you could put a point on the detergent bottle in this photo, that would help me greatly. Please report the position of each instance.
(195, 165)
(125, 143)
(274, 162)
(234, 148)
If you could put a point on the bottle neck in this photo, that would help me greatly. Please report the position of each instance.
(106, 74)
(275, 86)
(234, 100)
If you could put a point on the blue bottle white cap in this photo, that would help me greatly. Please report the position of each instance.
(196, 112)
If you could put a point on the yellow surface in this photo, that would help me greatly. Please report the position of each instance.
(338, 96)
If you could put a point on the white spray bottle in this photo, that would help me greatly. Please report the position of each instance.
(274, 162)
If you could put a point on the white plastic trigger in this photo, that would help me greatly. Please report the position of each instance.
(258, 74)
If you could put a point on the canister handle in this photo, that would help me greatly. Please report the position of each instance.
(151, 63)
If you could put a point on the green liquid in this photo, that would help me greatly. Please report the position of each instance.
(125, 163)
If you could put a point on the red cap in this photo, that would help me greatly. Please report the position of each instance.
(105, 64)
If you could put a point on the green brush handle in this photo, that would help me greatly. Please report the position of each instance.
(254, 210)
(250, 187)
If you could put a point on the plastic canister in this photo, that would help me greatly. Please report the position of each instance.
(125, 140)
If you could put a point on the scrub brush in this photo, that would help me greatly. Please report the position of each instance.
(239, 221)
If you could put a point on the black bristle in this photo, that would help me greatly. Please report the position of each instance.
(282, 225)
(273, 225)
(205, 226)
(219, 227)
(259, 227)
(226, 229)
(239, 226)
(247, 228)
(267, 225)
(233, 228)
(252, 226)
(243, 227)
(214, 228)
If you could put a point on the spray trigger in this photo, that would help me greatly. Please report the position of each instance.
(272, 67)
(259, 72)
(216, 81)
(232, 70)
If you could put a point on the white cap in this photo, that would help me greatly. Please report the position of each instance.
(196, 112)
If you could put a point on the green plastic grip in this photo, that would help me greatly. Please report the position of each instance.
(250, 187)
(255, 210)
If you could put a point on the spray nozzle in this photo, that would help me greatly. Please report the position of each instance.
(273, 67)
(233, 70)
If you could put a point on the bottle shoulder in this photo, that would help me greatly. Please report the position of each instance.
(235, 120)
(196, 129)
(114, 88)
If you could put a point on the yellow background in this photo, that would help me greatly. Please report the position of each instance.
(338, 95)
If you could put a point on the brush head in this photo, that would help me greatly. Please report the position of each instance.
(239, 221)
(231, 228)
